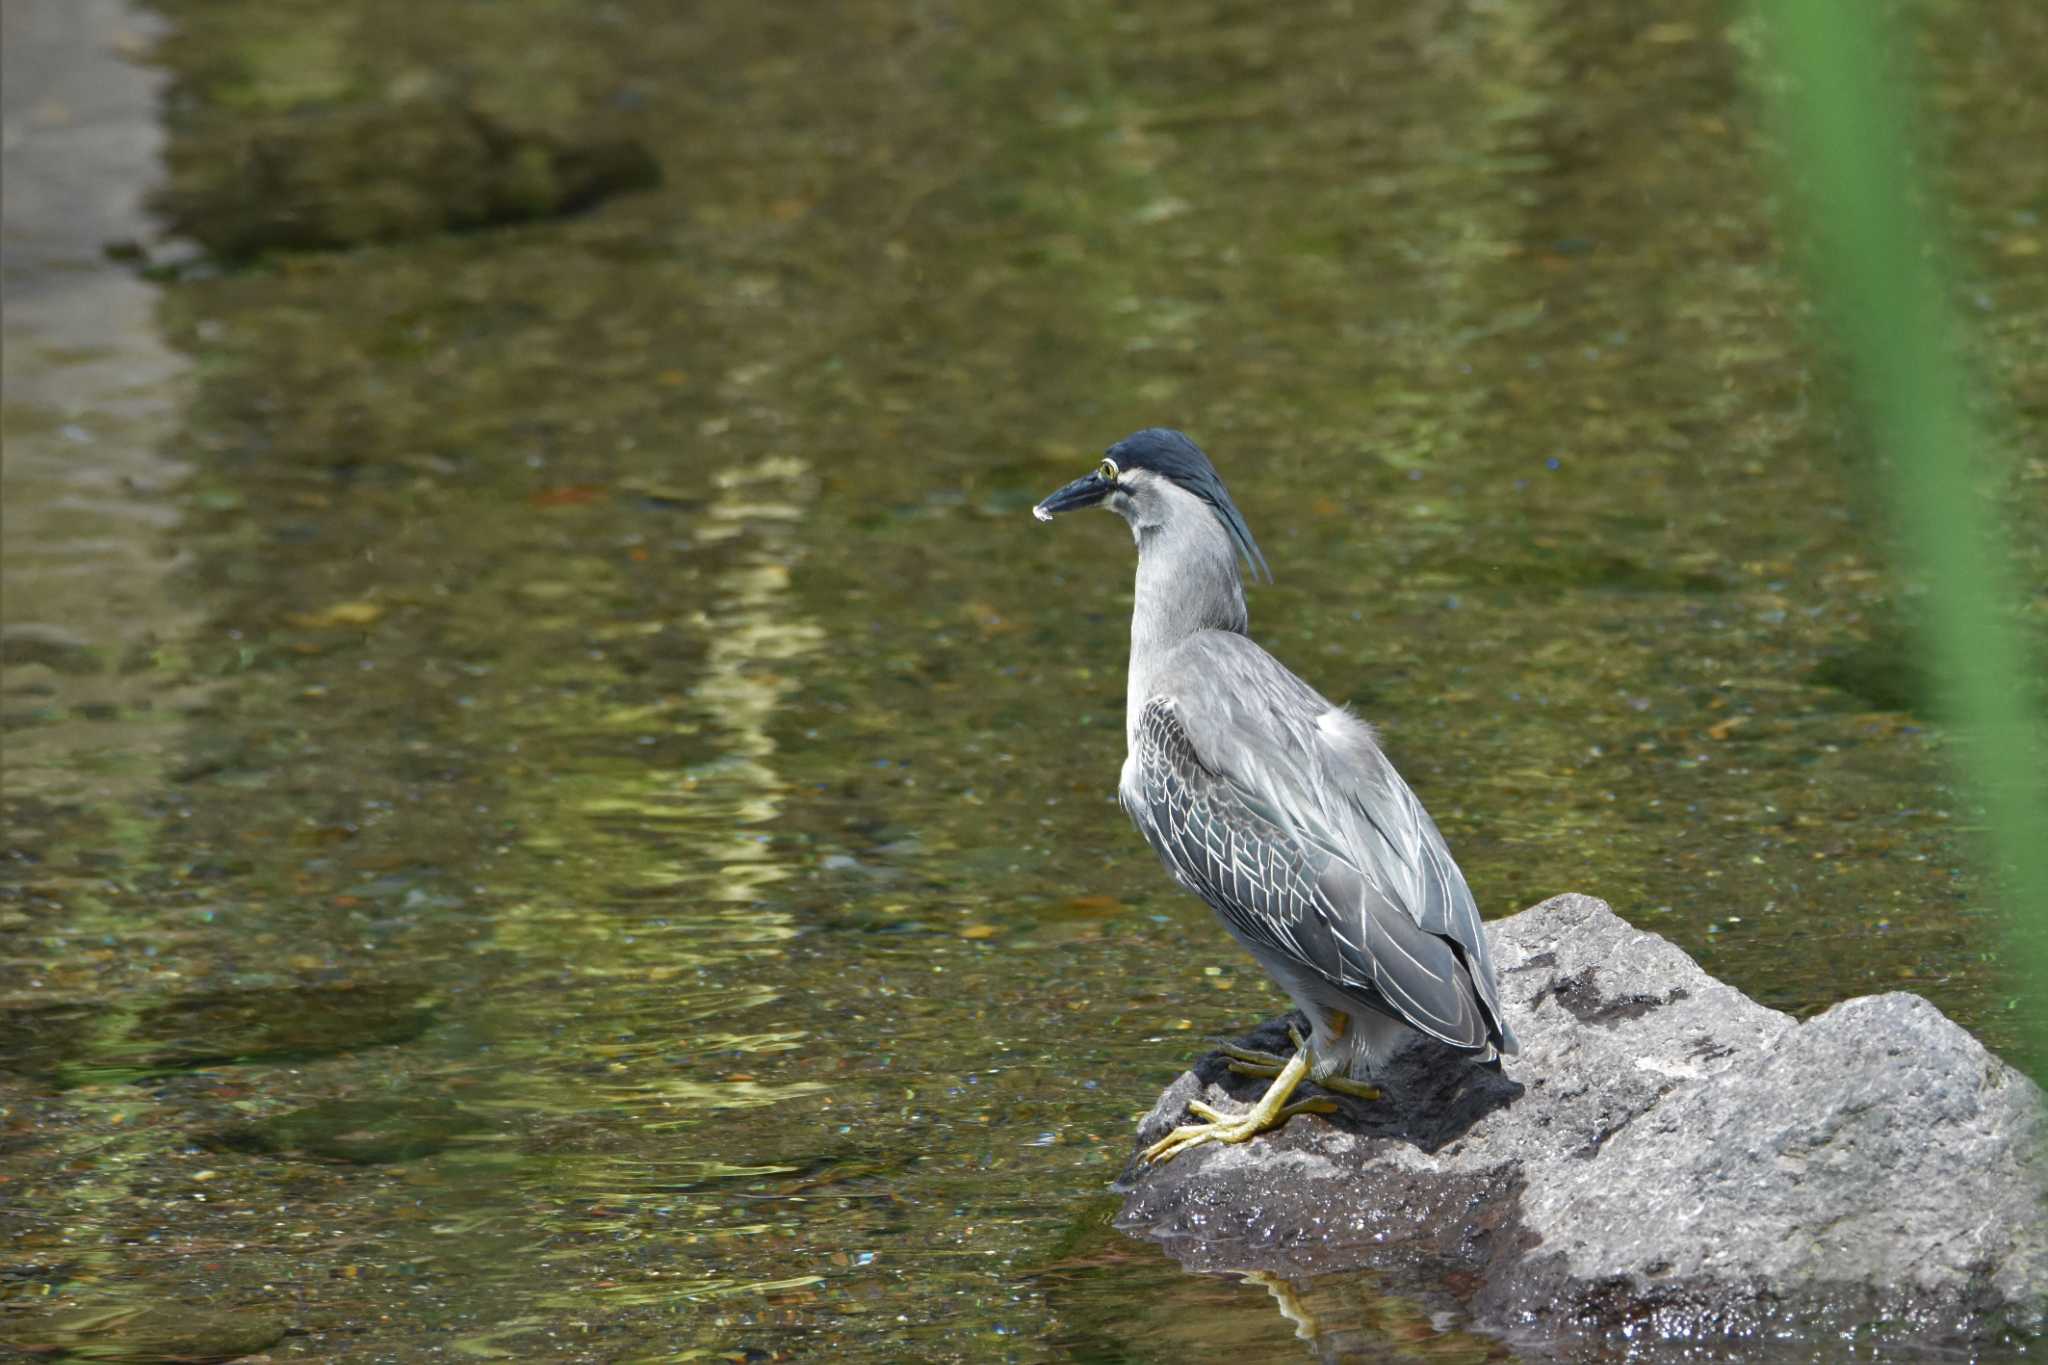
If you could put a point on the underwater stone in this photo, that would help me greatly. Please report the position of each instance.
(162, 1331)
(1666, 1154)
(261, 1024)
(359, 1132)
(330, 178)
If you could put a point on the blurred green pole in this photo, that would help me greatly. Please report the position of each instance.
(1841, 105)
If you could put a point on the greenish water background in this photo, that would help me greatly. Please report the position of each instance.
(1846, 101)
(638, 874)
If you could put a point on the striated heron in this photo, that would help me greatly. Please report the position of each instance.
(1278, 808)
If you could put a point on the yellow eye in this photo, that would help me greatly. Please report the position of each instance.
(1108, 470)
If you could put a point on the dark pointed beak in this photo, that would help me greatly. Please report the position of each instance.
(1085, 491)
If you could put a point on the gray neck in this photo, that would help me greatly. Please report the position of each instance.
(1187, 581)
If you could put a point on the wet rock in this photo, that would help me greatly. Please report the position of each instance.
(166, 1332)
(362, 1132)
(1666, 1155)
(333, 177)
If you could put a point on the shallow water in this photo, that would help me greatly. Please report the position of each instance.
(598, 841)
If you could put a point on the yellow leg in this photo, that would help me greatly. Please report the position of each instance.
(1306, 1328)
(1270, 1112)
(1246, 1061)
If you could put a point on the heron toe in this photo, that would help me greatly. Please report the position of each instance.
(1269, 1113)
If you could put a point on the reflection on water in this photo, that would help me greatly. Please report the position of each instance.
(91, 395)
(692, 926)
(637, 875)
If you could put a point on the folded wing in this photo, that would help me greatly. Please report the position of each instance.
(1280, 811)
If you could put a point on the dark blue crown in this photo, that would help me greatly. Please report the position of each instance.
(1171, 455)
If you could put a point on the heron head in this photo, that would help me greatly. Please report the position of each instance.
(1132, 479)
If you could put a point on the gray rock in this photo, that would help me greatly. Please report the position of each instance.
(1665, 1155)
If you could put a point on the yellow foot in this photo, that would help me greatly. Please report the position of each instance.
(1270, 1112)
(1344, 1085)
(1248, 1061)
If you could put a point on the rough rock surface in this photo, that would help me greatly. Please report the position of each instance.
(1665, 1155)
